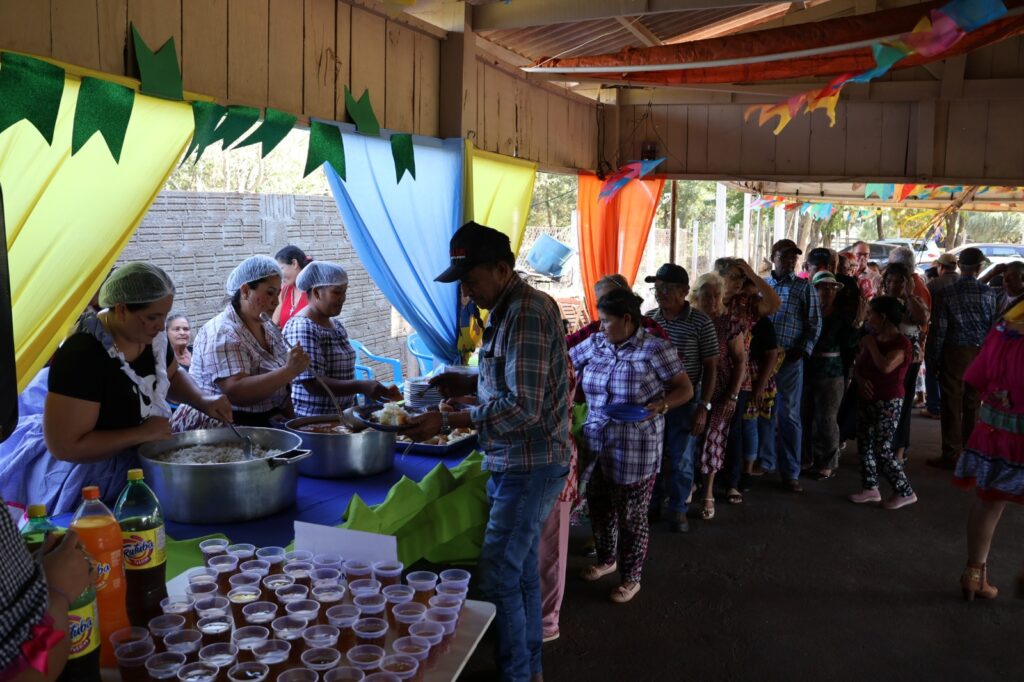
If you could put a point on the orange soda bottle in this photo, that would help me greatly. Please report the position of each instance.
(101, 536)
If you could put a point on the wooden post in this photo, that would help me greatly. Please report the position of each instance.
(878, 224)
(719, 235)
(672, 238)
(745, 248)
(458, 96)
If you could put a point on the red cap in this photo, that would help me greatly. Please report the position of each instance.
(91, 492)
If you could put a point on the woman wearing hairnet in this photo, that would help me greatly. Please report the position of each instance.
(331, 355)
(108, 388)
(238, 355)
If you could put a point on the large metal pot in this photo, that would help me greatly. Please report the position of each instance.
(343, 455)
(225, 493)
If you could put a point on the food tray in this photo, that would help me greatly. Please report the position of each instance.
(437, 450)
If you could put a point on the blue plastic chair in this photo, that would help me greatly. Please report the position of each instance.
(423, 356)
(363, 356)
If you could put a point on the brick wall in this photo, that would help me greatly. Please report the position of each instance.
(198, 238)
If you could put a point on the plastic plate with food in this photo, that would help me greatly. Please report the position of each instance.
(386, 417)
(439, 444)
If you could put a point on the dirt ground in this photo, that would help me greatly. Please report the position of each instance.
(801, 587)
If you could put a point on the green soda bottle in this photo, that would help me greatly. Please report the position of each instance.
(38, 527)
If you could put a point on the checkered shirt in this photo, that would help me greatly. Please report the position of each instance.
(966, 312)
(23, 597)
(225, 347)
(634, 373)
(330, 355)
(798, 321)
(522, 415)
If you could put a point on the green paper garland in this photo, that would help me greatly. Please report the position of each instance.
(325, 145)
(105, 108)
(405, 159)
(159, 74)
(206, 116)
(361, 112)
(30, 89)
(275, 127)
(238, 120)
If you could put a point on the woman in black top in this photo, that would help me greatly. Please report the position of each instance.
(108, 388)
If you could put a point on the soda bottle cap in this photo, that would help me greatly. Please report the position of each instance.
(36, 511)
(91, 492)
(135, 474)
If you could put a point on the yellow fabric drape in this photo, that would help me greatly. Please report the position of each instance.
(68, 219)
(499, 192)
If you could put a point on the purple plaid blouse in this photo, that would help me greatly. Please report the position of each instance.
(635, 372)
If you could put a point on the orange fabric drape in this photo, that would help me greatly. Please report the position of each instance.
(613, 232)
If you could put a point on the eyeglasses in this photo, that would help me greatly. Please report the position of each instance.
(862, 254)
(664, 288)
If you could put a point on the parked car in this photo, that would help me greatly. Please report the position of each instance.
(995, 253)
(879, 252)
(926, 252)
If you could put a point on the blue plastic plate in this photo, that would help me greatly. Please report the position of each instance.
(624, 412)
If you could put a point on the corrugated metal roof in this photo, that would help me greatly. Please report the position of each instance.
(601, 36)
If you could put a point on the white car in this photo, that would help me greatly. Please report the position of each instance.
(995, 253)
(925, 252)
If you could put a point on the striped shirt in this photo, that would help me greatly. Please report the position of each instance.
(330, 355)
(693, 334)
(798, 321)
(522, 414)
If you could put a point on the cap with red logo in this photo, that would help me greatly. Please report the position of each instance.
(472, 245)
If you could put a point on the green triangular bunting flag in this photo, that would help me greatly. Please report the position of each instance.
(325, 145)
(105, 108)
(361, 112)
(30, 89)
(275, 127)
(234, 125)
(401, 150)
(158, 71)
(206, 116)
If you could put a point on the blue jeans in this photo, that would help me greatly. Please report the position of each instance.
(932, 392)
(759, 435)
(676, 477)
(736, 448)
(788, 425)
(509, 564)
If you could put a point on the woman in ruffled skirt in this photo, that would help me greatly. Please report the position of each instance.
(993, 461)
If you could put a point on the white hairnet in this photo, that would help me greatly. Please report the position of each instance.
(252, 269)
(321, 274)
(135, 283)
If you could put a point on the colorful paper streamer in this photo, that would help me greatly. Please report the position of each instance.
(361, 112)
(275, 127)
(405, 157)
(237, 120)
(206, 117)
(325, 145)
(634, 170)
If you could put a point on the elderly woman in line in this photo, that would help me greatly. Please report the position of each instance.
(879, 374)
(179, 336)
(747, 299)
(898, 282)
(238, 355)
(109, 383)
(623, 363)
(324, 338)
(731, 331)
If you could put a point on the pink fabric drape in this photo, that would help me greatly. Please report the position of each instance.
(613, 232)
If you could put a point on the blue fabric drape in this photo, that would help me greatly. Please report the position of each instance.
(400, 230)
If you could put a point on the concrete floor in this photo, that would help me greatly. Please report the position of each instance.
(801, 587)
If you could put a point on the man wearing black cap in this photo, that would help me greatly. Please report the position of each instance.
(964, 314)
(693, 334)
(522, 417)
(797, 325)
(848, 299)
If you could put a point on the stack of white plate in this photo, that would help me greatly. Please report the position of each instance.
(420, 395)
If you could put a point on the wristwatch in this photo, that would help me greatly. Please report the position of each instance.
(707, 406)
(446, 428)
(734, 398)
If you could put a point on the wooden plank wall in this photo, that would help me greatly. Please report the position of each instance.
(293, 55)
(974, 140)
(528, 120)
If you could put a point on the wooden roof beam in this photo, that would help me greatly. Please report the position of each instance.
(635, 26)
(527, 13)
(735, 24)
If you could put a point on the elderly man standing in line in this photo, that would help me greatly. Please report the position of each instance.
(522, 416)
(946, 265)
(1013, 284)
(693, 334)
(862, 254)
(965, 312)
(797, 325)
